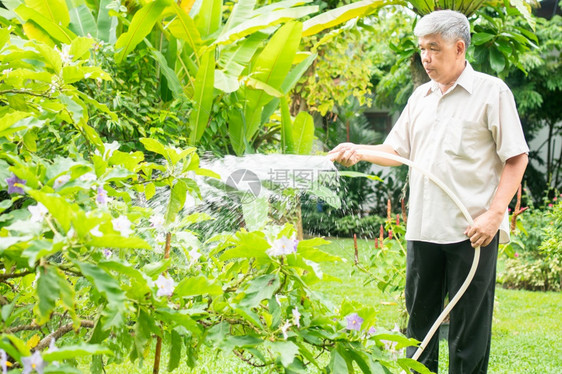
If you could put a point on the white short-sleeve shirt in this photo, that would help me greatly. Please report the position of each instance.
(464, 138)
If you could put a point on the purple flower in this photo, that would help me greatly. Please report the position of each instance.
(283, 246)
(165, 286)
(101, 197)
(372, 331)
(107, 253)
(33, 362)
(353, 322)
(4, 361)
(11, 184)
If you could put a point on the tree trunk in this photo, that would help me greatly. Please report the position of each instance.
(419, 76)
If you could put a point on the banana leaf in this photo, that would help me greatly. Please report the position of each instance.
(54, 10)
(141, 25)
(208, 20)
(263, 22)
(106, 24)
(53, 29)
(183, 27)
(82, 21)
(203, 96)
(271, 67)
(340, 15)
(303, 133)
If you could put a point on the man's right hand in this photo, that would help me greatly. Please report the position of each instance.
(345, 153)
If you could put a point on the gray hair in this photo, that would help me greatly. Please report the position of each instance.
(451, 25)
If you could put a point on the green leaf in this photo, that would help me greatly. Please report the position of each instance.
(296, 73)
(57, 206)
(54, 29)
(481, 38)
(287, 140)
(180, 318)
(177, 200)
(82, 21)
(54, 10)
(338, 362)
(262, 22)
(237, 130)
(141, 25)
(118, 241)
(106, 24)
(525, 10)
(47, 293)
(236, 58)
(259, 85)
(153, 145)
(80, 48)
(8, 120)
(143, 329)
(287, 350)
(110, 288)
(260, 288)
(303, 133)
(156, 268)
(40, 248)
(408, 363)
(203, 96)
(208, 20)
(271, 67)
(176, 345)
(183, 27)
(226, 83)
(199, 285)
(497, 60)
(252, 244)
(242, 11)
(74, 351)
(339, 15)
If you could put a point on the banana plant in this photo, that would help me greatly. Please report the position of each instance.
(254, 55)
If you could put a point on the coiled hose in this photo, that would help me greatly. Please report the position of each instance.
(465, 213)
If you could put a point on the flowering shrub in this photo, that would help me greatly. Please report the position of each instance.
(81, 249)
(537, 248)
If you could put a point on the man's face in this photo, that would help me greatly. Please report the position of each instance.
(440, 57)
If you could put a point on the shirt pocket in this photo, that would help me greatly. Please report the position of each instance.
(464, 138)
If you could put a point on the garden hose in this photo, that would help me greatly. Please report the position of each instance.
(465, 213)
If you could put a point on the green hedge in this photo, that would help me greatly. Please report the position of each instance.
(324, 224)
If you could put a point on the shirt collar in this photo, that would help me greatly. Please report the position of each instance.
(465, 80)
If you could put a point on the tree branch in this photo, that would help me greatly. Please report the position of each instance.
(31, 327)
(44, 343)
(6, 276)
(24, 92)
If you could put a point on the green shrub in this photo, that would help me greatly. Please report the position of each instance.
(537, 264)
(324, 224)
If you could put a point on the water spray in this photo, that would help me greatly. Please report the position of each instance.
(465, 213)
(261, 165)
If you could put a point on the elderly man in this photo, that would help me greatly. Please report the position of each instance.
(463, 126)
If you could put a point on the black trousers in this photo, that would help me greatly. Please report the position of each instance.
(432, 272)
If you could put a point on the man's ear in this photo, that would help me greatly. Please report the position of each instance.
(460, 47)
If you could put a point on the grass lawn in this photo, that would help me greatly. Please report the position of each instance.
(526, 336)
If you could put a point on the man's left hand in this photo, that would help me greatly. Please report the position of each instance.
(484, 229)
